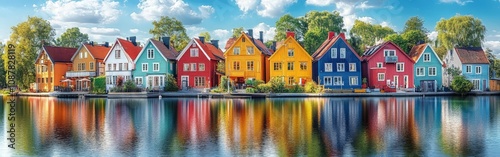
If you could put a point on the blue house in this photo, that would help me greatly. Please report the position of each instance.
(336, 65)
(156, 59)
(428, 71)
(473, 64)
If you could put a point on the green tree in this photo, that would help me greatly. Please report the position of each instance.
(3, 82)
(71, 38)
(314, 38)
(206, 35)
(407, 40)
(171, 83)
(237, 32)
(356, 44)
(414, 24)
(461, 85)
(398, 40)
(318, 25)
(28, 37)
(221, 66)
(173, 28)
(461, 31)
(440, 51)
(494, 63)
(369, 33)
(289, 23)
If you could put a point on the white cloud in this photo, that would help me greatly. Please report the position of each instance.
(494, 46)
(387, 24)
(193, 31)
(273, 8)
(364, 5)
(134, 31)
(246, 5)
(320, 2)
(432, 35)
(366, 19)
(268, 31)
(461, 2)
(153, 9)
(222, 35)
(101, 31)
(66, 12)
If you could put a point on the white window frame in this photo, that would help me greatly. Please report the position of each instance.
(326, 82)
(476, 86)
(342, 53)
(144, 70)
(478, 68)
(193, 67)
(151, 54)
(423, 71)
(187, 67)
(291, 52)
(353, 80)
(138, 80)
(352, 67)
(328, 67)
(337, 81)
(381, 65)
(340, 69)
(402, 64)
(428, 58)
(333, 53)
(201, 66)
(381, 76)
(194, 52)
(387, 52)
(156, 66)
(250, 50)
(117, 54)
(468, 69)
(236, 51)
(435, 71)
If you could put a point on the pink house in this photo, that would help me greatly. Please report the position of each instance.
(387, 67)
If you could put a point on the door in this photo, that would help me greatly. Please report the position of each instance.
(406, 81)
(185, 82)
(396, 81)
(476, 84)
(484, 85)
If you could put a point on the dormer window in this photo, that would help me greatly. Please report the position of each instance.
(389, 53)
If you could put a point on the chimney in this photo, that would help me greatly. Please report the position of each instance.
(274, 46)
(91, 43)
(261, 36)
(290, 34)
(215, 43)
(250, 33)
(202, 39)
(331, 35)
(132, 39)
(106, 44)
(342, 35)
(166, 41)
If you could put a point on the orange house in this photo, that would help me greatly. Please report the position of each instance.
(88, 62)
(51, 66)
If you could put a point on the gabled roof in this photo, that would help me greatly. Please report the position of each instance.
(59, 54)
(369, 53)
(259, 44)
(168, 53)
(209, 50)
(288, 40)
(417, 51)
(472, 55)
(97, 51)
(230, 42)
(130, 49)
(321, 47)
(325, 47)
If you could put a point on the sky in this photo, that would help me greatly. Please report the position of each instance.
(105, 20)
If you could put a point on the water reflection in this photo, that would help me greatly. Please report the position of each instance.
(245, 127)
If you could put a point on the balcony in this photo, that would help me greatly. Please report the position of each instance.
(80, 74)
(391, 59)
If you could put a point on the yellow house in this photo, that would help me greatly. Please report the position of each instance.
(88, 62)
(246, 58)
(292, 62)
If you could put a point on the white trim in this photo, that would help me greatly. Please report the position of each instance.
(423, 71)
(145, 47)
(423, 60)
(154, 66)
(402, 68)
(429, 71)
(470, 68)
(480, 70)
(331, 67)
(343, 67)
(187, 80)
(378, 76)
(189, 46)
(434, 52)
(331, 80)
(350, 80)
(355, 68)
(142, 67)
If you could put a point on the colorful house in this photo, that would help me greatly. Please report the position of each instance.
(336, 64)
(51, 66)
(387, 67)
(88, 62)
(291, 61)
(428, 70)
(155, 60)
(473, 64)
(120, 61)
(198, 64)
(246, 58)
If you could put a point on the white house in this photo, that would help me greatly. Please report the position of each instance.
(120, 61)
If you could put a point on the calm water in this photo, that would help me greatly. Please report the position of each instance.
(431, 126)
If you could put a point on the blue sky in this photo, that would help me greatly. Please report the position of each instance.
(104, 20)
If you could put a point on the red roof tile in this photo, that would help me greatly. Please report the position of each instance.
(320, 48)
(416, 51)
(130, 48)
(230, 42)
(98, 51)
(215, 51)
(60, 54)
(472, 55)
(169, 53)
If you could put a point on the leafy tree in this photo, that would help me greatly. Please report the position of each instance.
(99, 85)
(173, 28)
(369, 33)
(440, 51)
(28, 37)
(171, 83)
(221, 67)
(289, 23)
(461, 31)
(237, 32)
(494, 63)
(206, 35)
(3, 82)
(355, 44)
(461, 85)
(407, 40)
(398, 40)
(314, 38)
(71, 38)
(277, 85)
(414, 24)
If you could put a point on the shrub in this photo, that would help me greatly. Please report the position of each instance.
(250, 90)
(223, 83)
(250, 82)
(264, 88)
(99, 85)
(258, 82)
(277, 85)
(311, 87)
(119, 81)
(171, 83)
(461, 85)
(216, 90)
(296, 89)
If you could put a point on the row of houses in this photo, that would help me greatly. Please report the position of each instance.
(334, 65)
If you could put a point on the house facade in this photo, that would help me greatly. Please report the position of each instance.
(154, 62)
(428, 70)
(291, 61)
(120, 61)
(336, 64)
(247, 58)
(197, 64)
(88, 62)
(51, 66)
(387, 67)
(473, 64)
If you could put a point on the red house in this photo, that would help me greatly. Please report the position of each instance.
(197, 64)
(387, 67)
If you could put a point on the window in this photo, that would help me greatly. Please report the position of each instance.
(199, 81)
(236, 65)
(85, 54)
(427, 57)
(353, 80)
(250, 65)
(171, 66)
(290, 52)
(201, 66)
(476, 84)
(194, 52)
(138, 80)
(249, 50)
(328, 67)
(156, 66)
(400, 67)
(120, 66)
(381, 76)
(352, 67)
(114, 66)
(81, 55)
(337, 81)
(379, 64)
(342, 52)
(277, 66)
(193, 66)
(236, 50)
(186, 67)
(91, 64)
(117, 54)
(327, 80)
(333, 52)
(468, 69)
(290, 65)
(389, 53)
(432, 71)
(109, 67)
(144, 67)
(125, 66)
(478, 70)
(83, 66)
(291, 80)
(151, 54)
(303, 65)
(340, 67)
(420, 71)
